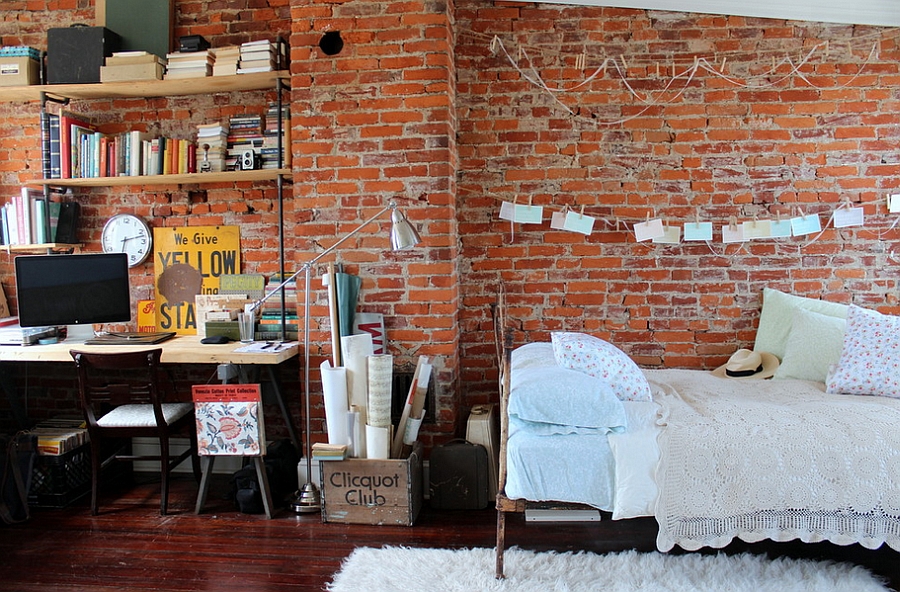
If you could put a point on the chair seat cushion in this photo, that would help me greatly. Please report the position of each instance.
(142, 415)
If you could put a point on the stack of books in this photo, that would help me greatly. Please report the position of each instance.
(245, 132)
(227, 59)
(191, 64)
(257, 56)
(270, 157)
(132, 65)
(323, 451)
(212, 141)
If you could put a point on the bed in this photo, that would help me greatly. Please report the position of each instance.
(811, 454)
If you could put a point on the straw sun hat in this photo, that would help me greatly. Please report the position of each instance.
(745, 363)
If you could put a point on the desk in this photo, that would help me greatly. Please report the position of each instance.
(181, 349)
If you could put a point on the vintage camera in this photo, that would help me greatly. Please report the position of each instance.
(249, 160)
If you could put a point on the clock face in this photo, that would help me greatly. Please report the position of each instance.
(126, 233)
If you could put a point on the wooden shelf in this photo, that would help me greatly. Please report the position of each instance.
(42, 248)
(146, 88)
(186, 179)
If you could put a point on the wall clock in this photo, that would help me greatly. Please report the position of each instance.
(127, 233)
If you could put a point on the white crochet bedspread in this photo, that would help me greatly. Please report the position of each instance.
(774, 459)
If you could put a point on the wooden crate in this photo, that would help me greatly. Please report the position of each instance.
(366, 491)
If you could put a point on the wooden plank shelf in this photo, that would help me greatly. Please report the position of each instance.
(143, 89)
(183, 179)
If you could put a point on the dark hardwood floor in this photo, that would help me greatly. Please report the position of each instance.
(130, 547)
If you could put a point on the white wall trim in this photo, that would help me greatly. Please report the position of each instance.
(869, 12)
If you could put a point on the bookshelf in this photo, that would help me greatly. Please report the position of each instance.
(278, 80)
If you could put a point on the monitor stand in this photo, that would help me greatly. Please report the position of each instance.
(79, 333)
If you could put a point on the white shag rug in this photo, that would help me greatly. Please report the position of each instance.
(404, 569)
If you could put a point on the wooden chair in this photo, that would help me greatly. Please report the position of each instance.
(123, 397)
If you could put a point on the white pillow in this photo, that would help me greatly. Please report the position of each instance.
(870, 359)
(778, 313)
(603, 360)
(563, 397)
(539, 353)
(813, 345)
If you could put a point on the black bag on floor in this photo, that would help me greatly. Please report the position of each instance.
(16, 464)
(459, 476)
(281, 471)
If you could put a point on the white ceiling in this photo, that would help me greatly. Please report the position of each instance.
(863, 12)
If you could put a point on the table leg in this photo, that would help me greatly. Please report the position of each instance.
(208, 462)
(273, 378)
(263, 485)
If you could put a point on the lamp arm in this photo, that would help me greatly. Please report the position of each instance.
(391, 206)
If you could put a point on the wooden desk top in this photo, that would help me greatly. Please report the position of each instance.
(181, 349)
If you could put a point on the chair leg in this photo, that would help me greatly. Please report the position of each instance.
(164, 474)
(95, 476)
(195, 457)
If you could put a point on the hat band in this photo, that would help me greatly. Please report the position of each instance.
(742, 373)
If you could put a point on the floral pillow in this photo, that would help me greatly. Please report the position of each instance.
(603, 360)
(870, 358)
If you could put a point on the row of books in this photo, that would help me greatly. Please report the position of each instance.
(74, 148)
(59, 436)
(28, 219)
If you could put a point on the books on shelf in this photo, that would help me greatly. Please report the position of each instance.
(257, 56)
(227, 59)
(191, 64)
(25, 219)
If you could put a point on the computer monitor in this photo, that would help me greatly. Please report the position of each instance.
(79, 289)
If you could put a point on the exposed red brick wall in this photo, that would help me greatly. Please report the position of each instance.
(417, 107)
(715, 151)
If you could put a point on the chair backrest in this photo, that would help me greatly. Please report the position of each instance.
(108, 380)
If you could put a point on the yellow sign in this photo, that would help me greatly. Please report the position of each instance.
(187, 262)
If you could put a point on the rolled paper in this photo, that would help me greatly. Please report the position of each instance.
(412, 430)
(378, 441)
(334, 387)
(355, 350)
(355, 430)
(380, 374)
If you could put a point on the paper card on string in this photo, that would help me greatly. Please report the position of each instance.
(732, 233)
(672, 236)
(780, 228)
(649, 230)
(894, 203)
(558, 220)
(698, 231)
(846, 217)
(803, 225)
(521, 213)
(756, 229)
(577, 222)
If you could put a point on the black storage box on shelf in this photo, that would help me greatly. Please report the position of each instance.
(57, 481)
(75, 54)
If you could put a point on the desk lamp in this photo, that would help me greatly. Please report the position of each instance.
(403, 237)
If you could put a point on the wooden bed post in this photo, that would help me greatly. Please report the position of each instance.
(503, 338)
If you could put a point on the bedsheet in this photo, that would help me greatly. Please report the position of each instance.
(571, 468)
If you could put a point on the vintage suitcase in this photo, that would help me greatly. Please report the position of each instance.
(459, 476)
